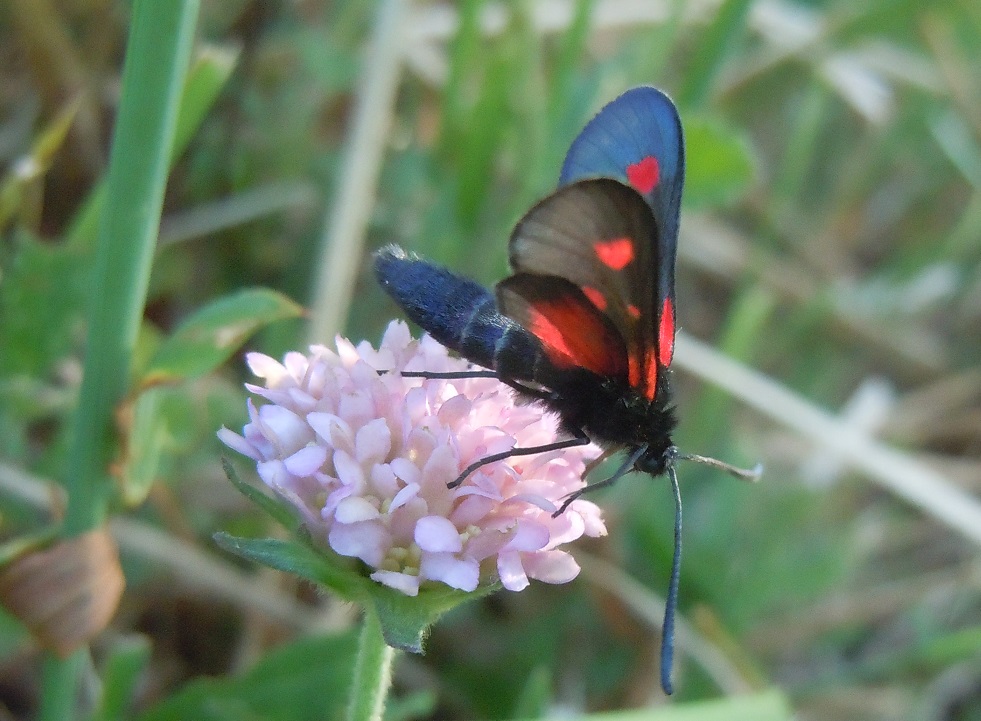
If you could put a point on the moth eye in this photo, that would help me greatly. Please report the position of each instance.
(644, 174)
(595, 297)
(616, 253)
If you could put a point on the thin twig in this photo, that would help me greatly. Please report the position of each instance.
(899, 472)
(343, 238)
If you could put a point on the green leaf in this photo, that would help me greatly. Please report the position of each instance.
(49, 280)
(15, 185)
(298, 559)
(405, 620)
(303, 681)
(272, 506)
(719, 166)
(14, 548)
(148, 436)
(210, 336)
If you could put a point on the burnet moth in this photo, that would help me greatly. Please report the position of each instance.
(585, 325)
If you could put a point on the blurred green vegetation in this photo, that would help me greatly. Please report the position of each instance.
(831, 237)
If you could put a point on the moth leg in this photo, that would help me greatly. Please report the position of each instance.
(449, 375)
(579, 439)
(536, 393)
(624, 468)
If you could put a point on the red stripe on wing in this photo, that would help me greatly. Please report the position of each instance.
(575, 336)
(665, 334)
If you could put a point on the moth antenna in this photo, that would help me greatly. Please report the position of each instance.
(671, 603)
(750, 475)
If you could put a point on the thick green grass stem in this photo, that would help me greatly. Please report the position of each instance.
(372, 672)
(157, 57)
(59, 676)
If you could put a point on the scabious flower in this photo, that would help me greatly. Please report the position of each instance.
(364, 458)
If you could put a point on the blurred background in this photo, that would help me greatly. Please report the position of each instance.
(831, 241)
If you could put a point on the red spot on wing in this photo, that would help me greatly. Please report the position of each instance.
(574, 336)
(616, 253)
(665, 334)
(649, 379)
(634, 311)
(595, 297)
(643, 175)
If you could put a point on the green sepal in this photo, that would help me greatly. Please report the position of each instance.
(405, 620)
(275, 508)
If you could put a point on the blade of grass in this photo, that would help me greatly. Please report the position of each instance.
(156, 63)
(205, 80)
(717, 44)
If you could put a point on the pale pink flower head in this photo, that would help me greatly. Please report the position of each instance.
(364, 458)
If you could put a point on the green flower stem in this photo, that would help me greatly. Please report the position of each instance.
(157, 56)
(372, 672)
(59, 678)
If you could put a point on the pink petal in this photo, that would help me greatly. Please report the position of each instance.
(455, 410)
(383, 481)
(455, 573)
(296, 364)
(566, 528)
(437, 534)
(409, 585)
(441, 468)
(333, 429)
(509, 569)
(528, 536)
(404, 496)
(406, 470)
(551, 566)
(237, 443)
(284, 427)
(367, 540)
(471, 510)
(273, 473)
(397, 336)
(373, 442)
(346, 351)
(357, 408)
(486, 544)
(263, 366)
(334, 499)
(534, 499)
(592, 518)
(306, 461)
(354, 509)
(349, 471)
